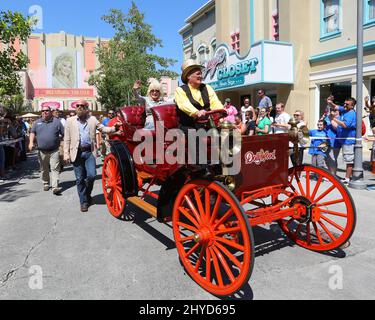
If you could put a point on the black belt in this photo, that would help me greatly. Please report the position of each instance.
(84, 149)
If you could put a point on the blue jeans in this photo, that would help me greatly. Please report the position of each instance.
(85, 172)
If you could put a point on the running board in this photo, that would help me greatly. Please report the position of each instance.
(145, 206)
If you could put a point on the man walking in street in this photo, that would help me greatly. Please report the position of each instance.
(48, 131)
(79, 145)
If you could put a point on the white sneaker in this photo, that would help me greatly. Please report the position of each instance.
(345, 181)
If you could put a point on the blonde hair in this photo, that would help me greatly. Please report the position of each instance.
(155, 85)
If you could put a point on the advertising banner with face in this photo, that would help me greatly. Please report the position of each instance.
(63, 67)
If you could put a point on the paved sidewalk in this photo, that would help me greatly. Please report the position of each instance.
(94, 256)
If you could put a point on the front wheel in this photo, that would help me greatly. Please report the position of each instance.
(213, 237)
(325, 214)
(112, 186)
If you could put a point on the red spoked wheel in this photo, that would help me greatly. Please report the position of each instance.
(112, 186)
(325, 215)
(213, 237)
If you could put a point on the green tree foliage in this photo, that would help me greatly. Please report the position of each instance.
(13, 26)
(127, 58)
(16, 104)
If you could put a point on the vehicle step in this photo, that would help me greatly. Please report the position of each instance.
(145, 206)
(144, 175)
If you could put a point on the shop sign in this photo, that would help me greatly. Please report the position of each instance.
(266, 62)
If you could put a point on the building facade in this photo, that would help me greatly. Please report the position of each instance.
(298, 51)
(60, 65)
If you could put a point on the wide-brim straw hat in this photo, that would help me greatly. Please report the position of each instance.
(187, 67)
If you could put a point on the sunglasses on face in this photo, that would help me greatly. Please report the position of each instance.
(297, 115)
(46, 110)
(155, 91)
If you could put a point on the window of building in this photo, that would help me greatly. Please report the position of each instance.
(340, 91)
(235, 36)
(330, 19)
(369, 9)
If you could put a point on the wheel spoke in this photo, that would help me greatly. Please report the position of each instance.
(327, 231)
(230, 243)
(216, 208)
(229, 230)
(308, 234)
(201, 254)
(200, 204)
(297, 231)
(330, 203)
(318, 183)
(317, 232)
(207, 204)
(192, 208)
(229, 255)
(217, 268)
(299, 184)
(224, 218)
(188, 227)
(187, 215)
(192, 250)
(334, 213)
(324, 194)
(208, 264)
(307, 184)
(224, 264)
(186, 239)
(333, 223)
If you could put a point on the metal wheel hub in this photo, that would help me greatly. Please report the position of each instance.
(305, 208)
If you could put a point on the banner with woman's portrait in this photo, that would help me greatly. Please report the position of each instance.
(62, 67)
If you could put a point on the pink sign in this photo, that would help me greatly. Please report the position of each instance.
(52, 104)
(70, 93)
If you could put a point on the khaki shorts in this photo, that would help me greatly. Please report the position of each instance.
(348, 153)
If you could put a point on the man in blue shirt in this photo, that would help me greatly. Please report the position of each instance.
(334, 146)
(111, 115)
(346, 133)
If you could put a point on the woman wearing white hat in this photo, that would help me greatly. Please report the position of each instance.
(154, 97)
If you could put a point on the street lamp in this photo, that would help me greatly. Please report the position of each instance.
(357, 181)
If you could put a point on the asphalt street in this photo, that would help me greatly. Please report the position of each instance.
(50, 250)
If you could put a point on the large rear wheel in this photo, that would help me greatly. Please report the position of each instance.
(325, 215)
(213, 237)
(112, 186)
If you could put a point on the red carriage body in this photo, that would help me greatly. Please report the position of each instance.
(212, 218)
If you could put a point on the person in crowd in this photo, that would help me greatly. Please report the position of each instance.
(240, 126)
(48, 132)
(346, 132)
(334, 146)
(250, 124)
(319, 136)
(263, 123)
(231, 111)
(111, 115)
(72, 114)
(264, 101)
(370, 109)
(281, 124)
(154, 97)
(3, 130)
(79, 149)
(194, 99)
(247, 108)
(299, 117)
(59, 114)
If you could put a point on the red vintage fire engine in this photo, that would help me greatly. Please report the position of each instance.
(212, 217)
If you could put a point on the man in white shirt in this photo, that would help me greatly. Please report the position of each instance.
(281, 124)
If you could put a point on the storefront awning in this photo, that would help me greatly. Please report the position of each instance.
(266, 62)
